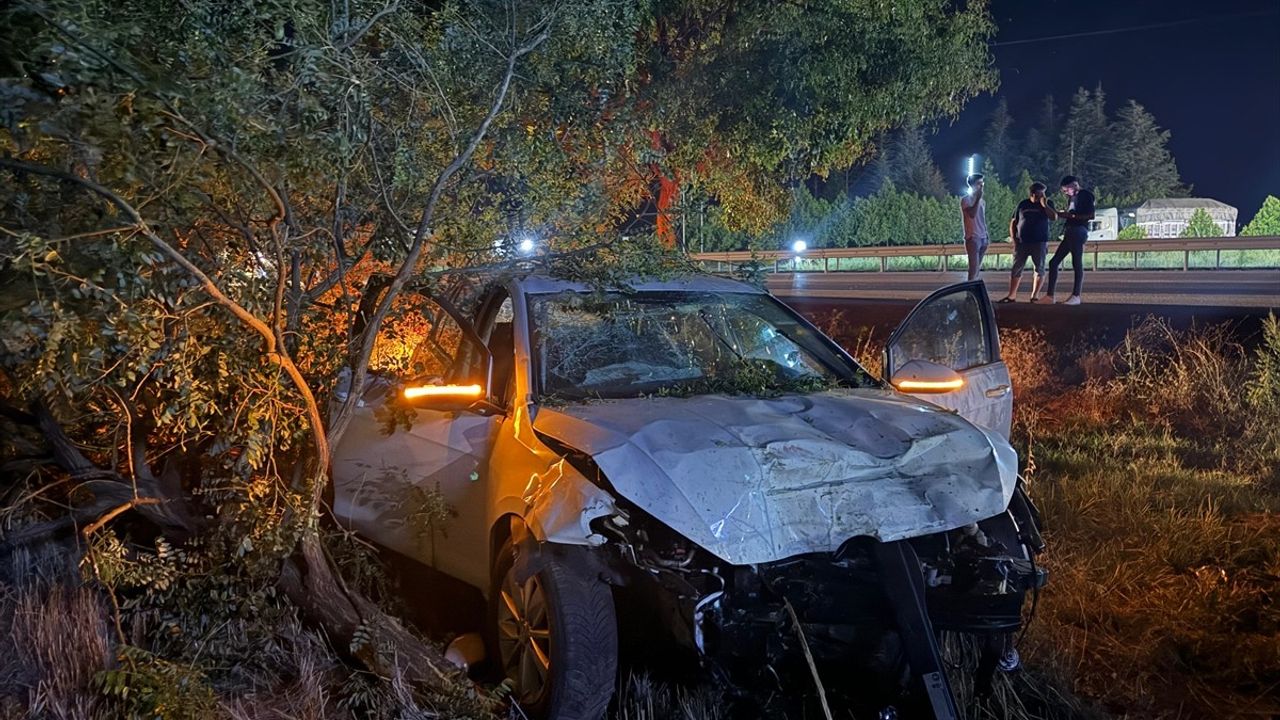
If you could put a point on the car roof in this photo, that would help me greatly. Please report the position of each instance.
(543, 284)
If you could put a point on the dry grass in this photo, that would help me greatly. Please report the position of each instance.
(1156, 478)
(54, 639)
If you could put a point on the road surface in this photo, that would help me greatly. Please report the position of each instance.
(1219, 288)
(1092, 324)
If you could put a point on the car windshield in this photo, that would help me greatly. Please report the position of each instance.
(616, 345)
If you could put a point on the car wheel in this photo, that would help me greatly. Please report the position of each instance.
(555, 639)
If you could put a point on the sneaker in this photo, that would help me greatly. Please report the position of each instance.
(1073, 300)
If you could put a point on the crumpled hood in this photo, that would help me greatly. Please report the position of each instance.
(755, 480)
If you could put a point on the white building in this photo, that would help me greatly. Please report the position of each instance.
(1168, 217)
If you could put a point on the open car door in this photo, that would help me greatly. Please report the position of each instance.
(955, 327)
(418, 490)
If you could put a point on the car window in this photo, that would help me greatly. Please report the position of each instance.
(948, 330)
(419, 341)
(616, 345)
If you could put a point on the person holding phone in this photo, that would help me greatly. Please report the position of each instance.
(1029, 230)
(1078, 214)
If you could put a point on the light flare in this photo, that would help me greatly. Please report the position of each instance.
(461, 391)
(929, 385)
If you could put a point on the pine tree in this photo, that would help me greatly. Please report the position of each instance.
(1037, 155)
(1084, 145)
(1141, 166)
(998, 143)
(1267, 221)
(1201, 225)
(907, 162)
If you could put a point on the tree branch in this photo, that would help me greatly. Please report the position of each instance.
(360, 363)
(250, 320)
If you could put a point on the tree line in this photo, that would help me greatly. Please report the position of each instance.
(901, 197)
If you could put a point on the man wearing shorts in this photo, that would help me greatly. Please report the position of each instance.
(973, 210)
(1078, 214)
(1029, 229)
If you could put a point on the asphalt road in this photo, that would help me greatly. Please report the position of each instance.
(1217, 288)
(1102, 324)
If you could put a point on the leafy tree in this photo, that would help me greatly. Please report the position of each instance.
(209, 212)
(741, 99)
(194, 202)
(1267, 221)
(1001, 201)
(907, 162)
(1201, 225)
(1133, 232)
(1141, 166)
(1085, 145)
(998, 145)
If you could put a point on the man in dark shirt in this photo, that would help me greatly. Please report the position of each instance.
(1078, 214)
(1029, 229)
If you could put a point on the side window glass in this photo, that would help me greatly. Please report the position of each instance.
(420, 341)
(949, 330)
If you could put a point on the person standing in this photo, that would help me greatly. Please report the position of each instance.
(1029, 229)
(973, 210)
(1078, 214)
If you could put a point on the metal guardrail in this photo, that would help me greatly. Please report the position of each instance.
(780, 259)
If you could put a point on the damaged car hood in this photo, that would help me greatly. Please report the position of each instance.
(760, 479)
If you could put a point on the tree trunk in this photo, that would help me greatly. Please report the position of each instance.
(359, 627)
(668, 193)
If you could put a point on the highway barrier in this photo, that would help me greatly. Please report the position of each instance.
(1162, 254)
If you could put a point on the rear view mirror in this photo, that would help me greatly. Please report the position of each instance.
(922, 376)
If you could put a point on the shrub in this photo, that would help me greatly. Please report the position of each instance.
(1133, 232)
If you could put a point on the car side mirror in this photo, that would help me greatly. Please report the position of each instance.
(924, 377)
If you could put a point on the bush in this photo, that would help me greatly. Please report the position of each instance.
(1133, 232)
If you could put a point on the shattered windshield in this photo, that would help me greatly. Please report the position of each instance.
(614, 346)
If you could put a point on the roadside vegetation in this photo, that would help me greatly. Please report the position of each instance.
(1156, 467)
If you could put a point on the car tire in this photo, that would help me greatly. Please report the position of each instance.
(580, 648)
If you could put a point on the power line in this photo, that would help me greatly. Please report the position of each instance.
(1133, 28)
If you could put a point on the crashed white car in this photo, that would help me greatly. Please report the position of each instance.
(695, 449)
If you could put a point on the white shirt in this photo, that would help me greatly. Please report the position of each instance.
(975, 226)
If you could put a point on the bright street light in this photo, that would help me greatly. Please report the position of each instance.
(799, 246)
(526, 245)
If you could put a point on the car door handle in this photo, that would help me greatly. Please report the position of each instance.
(998, 391)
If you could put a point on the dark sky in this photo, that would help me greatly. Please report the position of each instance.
(1210, 75)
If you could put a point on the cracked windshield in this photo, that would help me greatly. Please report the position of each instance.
(616, 345)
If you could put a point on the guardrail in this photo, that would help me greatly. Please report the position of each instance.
(785, 261)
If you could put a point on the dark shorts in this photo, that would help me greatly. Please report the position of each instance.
(1023, 251)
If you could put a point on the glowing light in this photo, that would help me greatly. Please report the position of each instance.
(926, 386)
(526, 245)
(462, 391)
(973, 161)
(799, 246)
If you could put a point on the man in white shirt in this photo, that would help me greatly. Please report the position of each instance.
(973, 210)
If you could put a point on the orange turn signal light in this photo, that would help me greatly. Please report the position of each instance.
(460, 391)
(927, 386)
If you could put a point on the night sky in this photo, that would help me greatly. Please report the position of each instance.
(1210, 74)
